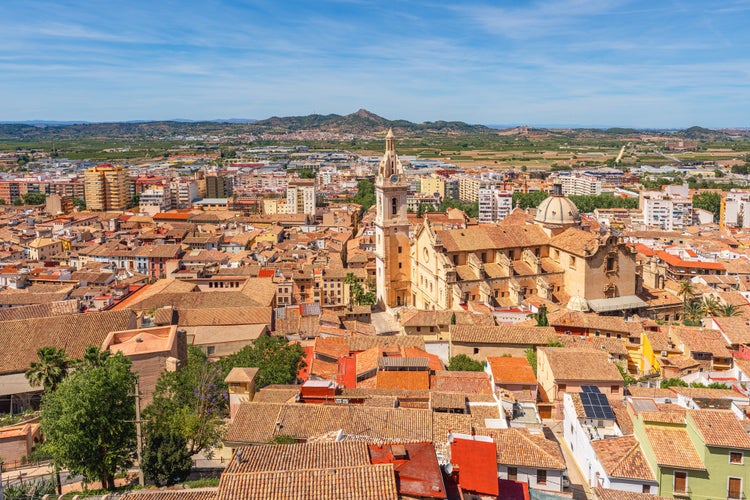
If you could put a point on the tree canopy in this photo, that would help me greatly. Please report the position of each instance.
(470, 209)
(709, 201)
(463, 363)
(50, 370)
(277, 360)
(166, 459)
(88, 421)
(365, 194)
(192, 401)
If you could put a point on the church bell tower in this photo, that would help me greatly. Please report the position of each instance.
(391, 230)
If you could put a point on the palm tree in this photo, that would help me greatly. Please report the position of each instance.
(710, 305)
(50, 370)
(686, 291)
(692, 313)
(93, 357)
(728, 310)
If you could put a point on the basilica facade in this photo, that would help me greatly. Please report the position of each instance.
(550, 256)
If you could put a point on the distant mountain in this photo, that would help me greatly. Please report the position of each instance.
(359, 123)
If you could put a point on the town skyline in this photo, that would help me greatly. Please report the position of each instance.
(616, 63)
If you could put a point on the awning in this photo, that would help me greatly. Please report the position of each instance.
(616, 304)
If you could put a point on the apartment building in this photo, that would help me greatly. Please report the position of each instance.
(218, 186)
(494, 205)
(737, 209)
(107, 187)
(667, 210)
(579, 184)
(300, 196)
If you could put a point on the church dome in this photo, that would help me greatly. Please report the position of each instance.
(557, 210)
(578, 303)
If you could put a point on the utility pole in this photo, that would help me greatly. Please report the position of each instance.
(138, 434)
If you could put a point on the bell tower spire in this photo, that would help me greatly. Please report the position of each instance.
(392, 259)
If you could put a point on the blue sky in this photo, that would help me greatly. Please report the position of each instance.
(657, 63)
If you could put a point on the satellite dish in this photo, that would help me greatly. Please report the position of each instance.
(449, 469)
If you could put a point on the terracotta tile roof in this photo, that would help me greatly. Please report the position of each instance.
(698, 339)
(511, 370)
(40, 310)
(607, 494)
(611, 345)
(622, 457)
(181, 494)
(357, 343)
(480, 413)
(224, 316)
(376, 482)
(270, 394)
(464, 382)
(663, 417)
(477, 238)
(623, 417)
(590, 321)
(720, 428)
(576, 241)
(254, 423)
(447, 400)
(672, 447)
(518, 447)
(299, 456)
(735, 329)
(650, 392)
(442, 423)
(515, 335)
(257, 422)
(408, 380)
(10, 297)
(704, 393)
(21, 338)
(583, 365)
(195, 300)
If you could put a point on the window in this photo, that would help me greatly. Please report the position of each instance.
(510, 254)
(394, 206)
(646, 488)
(399, 265)
(615, 389)
(572, 262)
(561, 387)
(210, 350)
(734, 487)
(735, 457)
(611, 264)
(476, 350)
(680, 482)
(400, 249)
(512, 473)
(541, 477)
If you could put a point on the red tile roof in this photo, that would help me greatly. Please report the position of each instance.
(475, 460)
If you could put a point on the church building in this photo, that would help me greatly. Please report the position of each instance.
(551, 256)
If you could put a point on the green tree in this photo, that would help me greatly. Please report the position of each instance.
(728, 310)
(166, 459)
(365, 194)
(470, 209)
(672, 382)
(2, 201)
(192, 401)
(540, 316)
(93, 357)
(277, 360)
(693, 313)
(626, 377)
(88, 421)
(17, 202)
(453, 318)
(710, 305)
(529, 200)
(531, 358)
(463, 363)
(50, 370)
(357, 293)
(710, 201)
(80, 203)
(34, 198)
(686, 290)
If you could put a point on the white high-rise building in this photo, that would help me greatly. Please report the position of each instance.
(737, 209)
(494, 204)
(667, 210)
(579, 184)
(300, 196)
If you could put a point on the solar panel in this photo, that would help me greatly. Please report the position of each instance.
(595, 404)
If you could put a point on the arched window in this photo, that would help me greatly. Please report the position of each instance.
(394, 206)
